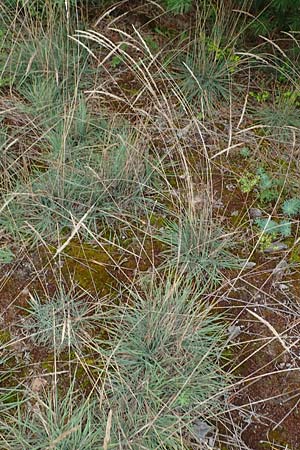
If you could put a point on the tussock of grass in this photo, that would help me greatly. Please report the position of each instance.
(52, 421)
(280, 120)
(62, 321)
(196, 246)
(165, 369)
(100, 182)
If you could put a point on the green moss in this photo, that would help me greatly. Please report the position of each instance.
(4, 336)
(280, 439)
(157, 221)
(295, 254)
(48, 365)
(90, 266)
(89, 370)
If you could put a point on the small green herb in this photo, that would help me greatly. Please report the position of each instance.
(291, 207)
(245, 152)
(118, 59)
(248, 182)
(6, 256)
(273, 228)
(261, 97)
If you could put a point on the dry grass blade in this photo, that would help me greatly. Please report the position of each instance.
(107, 430)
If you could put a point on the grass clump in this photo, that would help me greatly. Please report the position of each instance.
(99, 182)
(46, 54)
(11, 162)
(179, 6)
(205, 74)
(62, 321)
(205, 68)
(166, 367)
(280, 119)
(198, 249)
(54, 421)
(6, 256)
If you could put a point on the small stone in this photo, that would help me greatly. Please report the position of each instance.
(283, 287)
(234, 213)
(230, 187)
(38, 384)
(255, 213)
(198, 200)
(202, 429)
(217, 203)
(276, 247)
(249, 265)
(25, 291)
(280, 268)
(234, 331)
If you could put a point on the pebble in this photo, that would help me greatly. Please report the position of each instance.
(255, 213)
(283, 287)
(280, 268)
(234, 331)
(202, 429)
(230, 187)
(276, 247)
(249, 265)
(217, 204)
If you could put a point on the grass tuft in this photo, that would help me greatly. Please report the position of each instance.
(53, 421)
(198, 248)
(280, 119)
(62, 321)
(102, 182)
(166, 369)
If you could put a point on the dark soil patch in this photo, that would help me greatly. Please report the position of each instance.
(266, 404)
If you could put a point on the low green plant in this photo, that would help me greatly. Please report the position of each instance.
(268, 187)
(274, 229)
(151, 43)
(178, 6)
(260, 97)
(100, 182)
(118, 59)
(6, 256)
(4, 82)
(265, 241)
(280, 118)
(245, 152)
(292, 96)
(205, 74)
(198, 248)
(291, 207)
(59, 420)
(248, 182)
(166, 374)
(62, 321)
